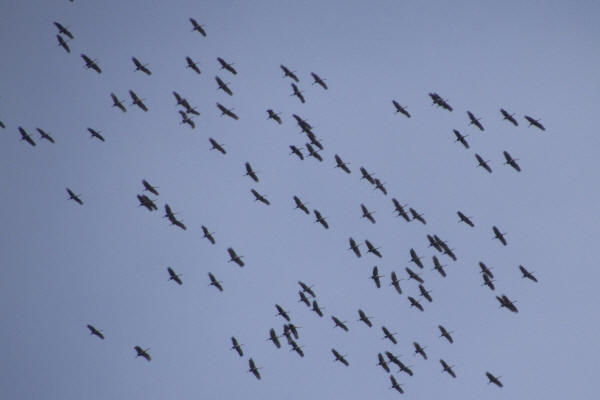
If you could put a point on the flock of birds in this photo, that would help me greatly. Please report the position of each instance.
(312, 148)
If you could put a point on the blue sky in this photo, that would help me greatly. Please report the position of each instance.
(105, 263)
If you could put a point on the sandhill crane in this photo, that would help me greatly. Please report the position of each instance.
(534, 122)
(399, 208)
(173, 276)
(487, 281)
(420, 350)
(147, 202)
(396, 283)
(234, 257)
(474, 121)
(447, 368)
(192, 65)
(62, 43)
(417, 216)
(415, 303)
(438, 267)
(395, 384)
(303, 298)
(400, 109)
(382, 362)
(62, 30)
(506, 302)
(96, 332)
(389, 335)
(493, 379)
(439, 101)
(250, 172)
(171, 216)
(499, 235)
(511, 161)
(298, 93)
(292, 328)
(465, 219)
(236, 346)
(483, 163)
(413, 275)
(226, 65)
(445, 334)
(339, 323)
(274, 338)
(260, 197)
(527, 274)
(318, 80)
(26, 137)
(434, 243)
(485, 270)
(137, 101)
(45, 135)
(367, 214)
(339, 357)
(372, 249)
(140, 67)
(197, 27)
(304, 125)
(425, 293)
(307, 289)
(461, 138)
(509, 117)
(282, 312)
(217, 146)
(208, 235)
(227, 111)
(354, 247)
(253, 368)
(95, 134)
(117, 103)
(142, 353)
(342, 165)
(289, 73)
(74, 197)
(300, 205)
(366, 175)
(379, 185)
(415, 258)
(296, 151)
(296, 348)
(274, 116)
(375, 276)
(317, 309)
(320, 219)
(403, 368)
(214, 282)
(223, 86)
(312, 152)
(185, 119)
(364, 318)
(89, 63)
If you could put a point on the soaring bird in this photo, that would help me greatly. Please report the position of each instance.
(400, 109)
(511, 161)
(26, 137)
(534, 122)
(509, 117)
(142, 353)
(527, 274)
(223, 86)
(341, 164)
(289, 73)
(173, 276)
(226, 65)
(197, 27)
(474, 121)
(234, 257)
(45, 135)
(94, 331)
(274, 116)
(140, 67)
(318, 80)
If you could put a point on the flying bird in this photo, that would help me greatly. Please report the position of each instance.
(509, 117)
(438, 267)
(137, 101)
(149, 187)
(375, 276)
(474, 121)
(140, 67)
(341, 164)
(465, 219)
(354, 247)
(320, 219)
(382, 362)
(364, 318)
(447, 368)
(485, 270)
(214, 282)
(223, 86)
(236, 346)
(527, 274)
(63, 30)
(493, 379)
(142, 353)
(439, 101)
(94, 331)
(62, 43)
(89, 63)
(226, 65)
(227, 111)
(499, 235)
(250, 172)
(487, 281)
(367, 176)
(45, 135)
(400, 109)
(186, 119)
(461, 138)
(413, 275)
(216, 146)
(300, 205)
(307, 289)
(274, 338)
(197, 27)
(253, 368)
(289, 73)
(296, 151)
(399, 208)
(339, 357)
(367, 214)
(147, 202)
(425, 293)
(317, 309)
(260, 197)
(415, 303)
(483, 163)
(396, 283)
(173, 276)
(534, 122)
(339, 323)
(318, 80)
(95, 134)
(415, 258)
(389, 335)
(191, 64)
(234, 257)
(379, 185)
(312, 152)
(282, 312)
(444, 333)
(274, 116)
(73, 196)
(372, 249)
(417, 216)
(395, 384)
(26, 137)
(511, 161)
(506, 302)
(297, 93)
(420, 350)
(117, 103)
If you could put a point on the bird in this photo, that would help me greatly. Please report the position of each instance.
(511, 161)
(447, 368)
(296, 151)
(320, 219)
(461, 138)
(465, 219)
(318, 80)
(45, 135)
(227, 111)
(485, 270)
(382, 362)
(342, 165)
(173, 276)
(413, 275)
(223, 86)
(389, 335)
(487, 281)
(474, 121)
(366, 175)
(400, 109)
(214, 282)
(367, 214)
(274, 338)
(216, 146)
(415, 258)
(312, 152)
(94, 331)
(439, 101)
(445, 334)
(499, 235)
(506, 302)
(191, 64)
(399, 208)
(226, 65)
(317, 309)
(95, 134)
(396, 283)
(307, 289)
(64, 31)
(137, 101)
(147, 202)
(149, 187)
(74, 197)
(62, 43)
(379, 185)
(289, 73)
(527, 274)
(354, 247)
(301, 205)
(483, 163)
(197, 27)
(117, 103)
(363, 317)
(260, 197)
(375, 276)
(26, 137)
(274, 116)
(415, 303)
(282, 312)
(298, 93)
(534, 122)
(339, 323)
(89, 63)
(420, 350)
(142, 353)
(236, 346)
(493, 379)
(250, 172)
(438, 267)
(303, 298)
(140, 67)
(509, 117)
(417, 216)
(185, 119)
(425, 293)
(372, 249)
(234, 257)
(253, 368)
(395, 384)
(339, 357)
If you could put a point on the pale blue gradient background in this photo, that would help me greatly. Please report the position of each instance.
(64, 266)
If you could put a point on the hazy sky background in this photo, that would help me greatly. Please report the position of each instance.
(105, 263)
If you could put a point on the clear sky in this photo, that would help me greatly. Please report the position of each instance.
(104, 263)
